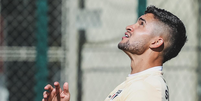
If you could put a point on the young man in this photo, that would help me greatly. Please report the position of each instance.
(157, 37)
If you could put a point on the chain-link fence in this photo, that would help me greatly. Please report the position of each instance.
(19, 38)
(76, 41)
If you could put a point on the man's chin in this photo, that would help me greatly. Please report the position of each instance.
(121, 46)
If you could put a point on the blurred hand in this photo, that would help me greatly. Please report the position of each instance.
(56, 94)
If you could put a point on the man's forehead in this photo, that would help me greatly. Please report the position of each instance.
(148, 17)
(152, 22)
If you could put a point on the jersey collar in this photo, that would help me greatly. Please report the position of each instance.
(158, 68)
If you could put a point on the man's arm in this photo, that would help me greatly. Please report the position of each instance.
(56, 94)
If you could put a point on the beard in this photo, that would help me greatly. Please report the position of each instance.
(124, 46)
(134, 47)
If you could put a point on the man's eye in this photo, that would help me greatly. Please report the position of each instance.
(141, 23)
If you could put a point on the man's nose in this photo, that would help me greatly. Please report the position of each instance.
(130, 28)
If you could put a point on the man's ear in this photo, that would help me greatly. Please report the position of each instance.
(157, 42)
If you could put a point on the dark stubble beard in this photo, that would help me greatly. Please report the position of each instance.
(135, 48)
(124, 46)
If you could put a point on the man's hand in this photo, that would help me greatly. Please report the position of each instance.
(56, 94)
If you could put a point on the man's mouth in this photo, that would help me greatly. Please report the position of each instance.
(126, 36)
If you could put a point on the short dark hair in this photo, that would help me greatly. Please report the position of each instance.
(177, 31)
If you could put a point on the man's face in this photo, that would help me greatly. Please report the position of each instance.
(138, 36)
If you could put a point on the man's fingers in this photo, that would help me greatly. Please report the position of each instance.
(58, 90)
(65, 94)
(57, 87)
(44, 99)
(48, 87)
(45, 94)
(66, 88)
(56, 93)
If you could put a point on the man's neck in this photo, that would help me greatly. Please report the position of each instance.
(141, 63)
(138, 65)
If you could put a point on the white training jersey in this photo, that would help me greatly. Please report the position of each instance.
(146, 86)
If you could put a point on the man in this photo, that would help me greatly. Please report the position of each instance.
(157, 37)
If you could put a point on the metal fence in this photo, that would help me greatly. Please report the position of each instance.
(19, 40)
(42, 41)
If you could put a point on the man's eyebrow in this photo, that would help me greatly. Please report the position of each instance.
(142, 19)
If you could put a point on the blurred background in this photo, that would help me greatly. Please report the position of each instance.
(75, 41)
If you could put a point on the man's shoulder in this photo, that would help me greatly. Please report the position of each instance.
(152, 82)
(155, 81)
